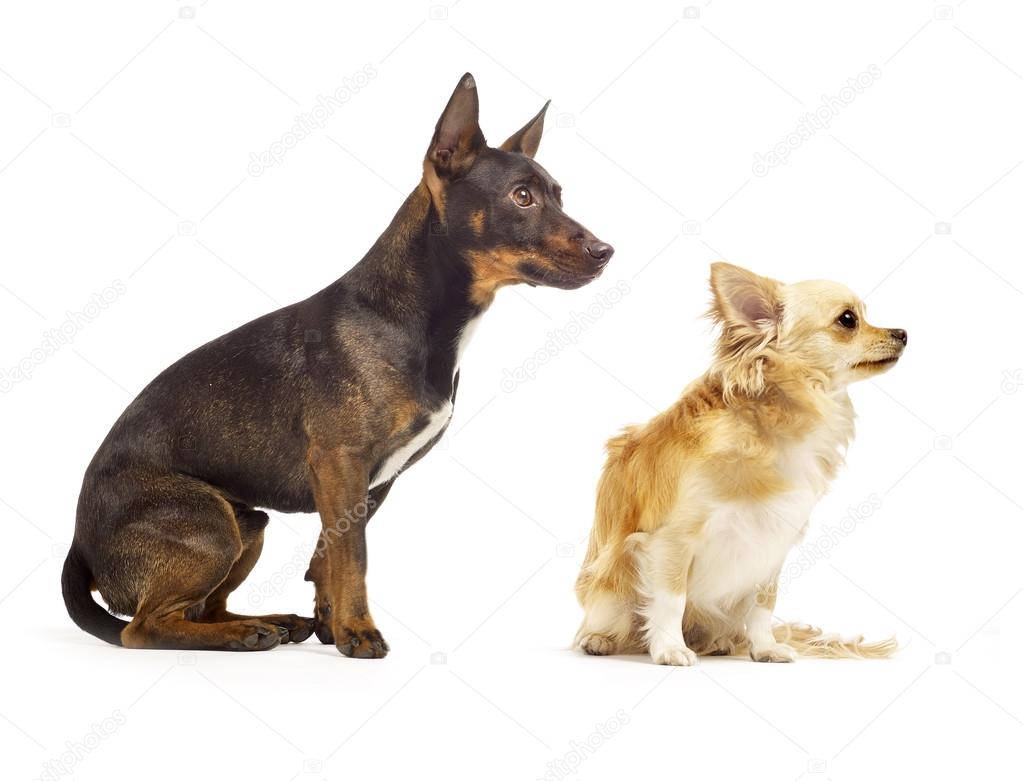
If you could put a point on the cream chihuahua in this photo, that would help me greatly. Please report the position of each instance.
(697, 509)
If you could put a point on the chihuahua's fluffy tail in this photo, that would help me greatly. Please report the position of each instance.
(809, 641)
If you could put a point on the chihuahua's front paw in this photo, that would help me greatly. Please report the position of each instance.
(675, 655)
(776, 652)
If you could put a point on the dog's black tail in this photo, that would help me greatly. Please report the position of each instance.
(76, 584)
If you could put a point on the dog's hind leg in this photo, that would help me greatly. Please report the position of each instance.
(182, 546)
(607, 624)
(251, 524)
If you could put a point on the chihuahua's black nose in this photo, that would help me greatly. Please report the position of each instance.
(600, 251)
(898, 333)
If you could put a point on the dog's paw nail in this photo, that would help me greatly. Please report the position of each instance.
(375, 650)
(349, 644)
(364, 644)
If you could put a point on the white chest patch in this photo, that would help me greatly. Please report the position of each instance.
(464, 338)
(396, 461)
(744, 543)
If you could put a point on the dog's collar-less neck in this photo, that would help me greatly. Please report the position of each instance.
(414, 277)
(412, 271)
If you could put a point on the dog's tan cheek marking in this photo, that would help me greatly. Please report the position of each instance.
(491, 270)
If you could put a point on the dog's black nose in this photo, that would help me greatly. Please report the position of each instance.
(898, 333)
(600, 251)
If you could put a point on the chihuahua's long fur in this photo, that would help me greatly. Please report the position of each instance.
(697, 508)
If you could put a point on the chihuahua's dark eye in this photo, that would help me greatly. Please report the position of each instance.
(522, 197)
(848, 319)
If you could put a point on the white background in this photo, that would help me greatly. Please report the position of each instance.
(125, 147)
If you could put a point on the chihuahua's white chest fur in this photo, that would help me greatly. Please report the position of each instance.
(743, 544)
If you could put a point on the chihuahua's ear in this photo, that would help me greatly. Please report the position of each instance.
(527, 140)
(745, 300)
(458, 138)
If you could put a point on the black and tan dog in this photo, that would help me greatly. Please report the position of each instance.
(315, 407)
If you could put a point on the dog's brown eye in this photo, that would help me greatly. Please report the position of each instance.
(522, 197)
(848, 319)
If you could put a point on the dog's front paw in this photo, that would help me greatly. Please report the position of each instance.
(360, 639)
(675, 655)
(254, 635)
(299, 628)
(321, 623)
(776, 652)
(597, 645)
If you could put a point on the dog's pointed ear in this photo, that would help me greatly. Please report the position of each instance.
(527, 140)
(458, 138)
(745, 299)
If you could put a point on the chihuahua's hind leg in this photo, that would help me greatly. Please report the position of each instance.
(606, 626)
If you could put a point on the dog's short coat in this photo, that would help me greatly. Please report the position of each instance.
(316, 407)
(697, 508)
